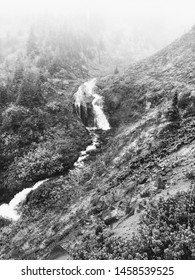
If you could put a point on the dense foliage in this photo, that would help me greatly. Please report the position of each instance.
(39, 137)
(48, 197)
(166, 231)
(42, 160)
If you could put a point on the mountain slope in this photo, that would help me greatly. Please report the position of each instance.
(150, 154)
(153, 103)
(154, 79)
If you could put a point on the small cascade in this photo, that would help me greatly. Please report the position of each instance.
(85, 98)
(89, 106)
(10, 210)
(90, 148)
(99, 117)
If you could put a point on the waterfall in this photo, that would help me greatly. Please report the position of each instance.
(99, 116)
(10, 210)
(84, 98)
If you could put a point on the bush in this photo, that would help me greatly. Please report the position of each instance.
(184, 100)
(52, 195)
(172, 114)
(189, 112)
(44, 160)
(167, 231)
(13, 117)
(4, 222)
(33, 127)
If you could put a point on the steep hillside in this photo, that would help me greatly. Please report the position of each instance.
(148, 158)
(152, 80)
(152, 153)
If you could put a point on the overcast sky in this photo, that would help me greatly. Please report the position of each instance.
(182, 10)
(169, 18)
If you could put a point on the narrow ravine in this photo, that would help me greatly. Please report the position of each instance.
(84, 97)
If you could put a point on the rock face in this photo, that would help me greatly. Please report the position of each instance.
(85, 112)
(83, 103)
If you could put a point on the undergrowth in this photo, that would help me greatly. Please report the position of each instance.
(166, 231)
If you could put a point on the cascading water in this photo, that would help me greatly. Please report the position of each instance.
(10, 210)
(100, 118)
(84, 98)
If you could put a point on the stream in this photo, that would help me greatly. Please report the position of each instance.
(86, 94)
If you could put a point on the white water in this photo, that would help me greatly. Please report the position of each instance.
(10, 210)
(84, 154)
(100, 118)
(85, 91)
(85, 94)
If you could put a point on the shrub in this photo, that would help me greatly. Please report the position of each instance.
(189, 112)
(33, 127)
(4, 222)
(53, 106)
(44, 160)
(52, 195)
(172, 114)
(13, 117)
(79, 176)
(167, 231)
(145, 193)
(159, 184)
(190, 175)
(184, 100)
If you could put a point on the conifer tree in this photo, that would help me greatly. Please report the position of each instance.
(30, 91)
(32, 48)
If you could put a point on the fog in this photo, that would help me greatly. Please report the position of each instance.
(156, 22)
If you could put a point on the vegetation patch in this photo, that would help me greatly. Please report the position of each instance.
(166, 231)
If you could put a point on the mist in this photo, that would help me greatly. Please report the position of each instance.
(97, 131)
(142, 27)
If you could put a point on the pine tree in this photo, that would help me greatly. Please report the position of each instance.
(32, 48)
(30, 91)
(172, 113)
(3, 95)
(116, 71)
